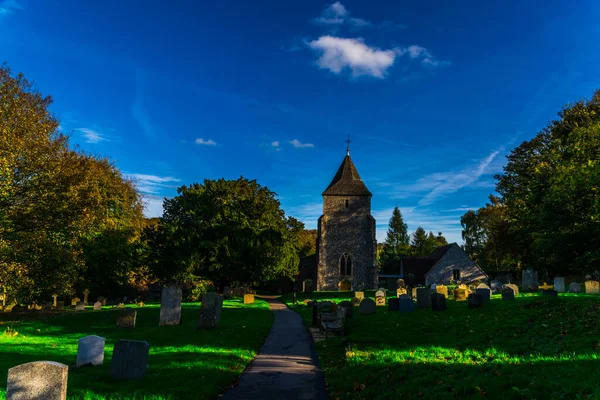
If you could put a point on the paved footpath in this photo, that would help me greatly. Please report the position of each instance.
(286, 367)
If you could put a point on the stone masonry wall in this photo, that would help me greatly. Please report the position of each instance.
(349, 230)
(455, 258)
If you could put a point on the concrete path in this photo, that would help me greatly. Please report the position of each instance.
(286, 367)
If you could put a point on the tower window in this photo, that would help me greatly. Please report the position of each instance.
(346, 203)
(346, 264)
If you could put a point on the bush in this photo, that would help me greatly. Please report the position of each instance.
(200, 289)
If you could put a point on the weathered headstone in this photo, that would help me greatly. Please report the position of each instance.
(227, 292)
(126, 318)
(592, 287)
(97, 306)
(170, 306)
(514, 287)
(102, 300)
(210, 311)
(356, 301)
(307, 286)
(460, 294)
(129, 360)
(475, 300)
(45, 380)
(423, 298)
(90, 350)
(367, 306)
(359, 295)
(400, 291)
(86, 293)
(442, 289)
(394, 304)
(407, 305)
(413, 292)
(248, 299)
(438, 302)
(574, 287)
(508, 293)
(60, 305)
(74, 301)
(495, 285)
(529, 281)
(349, 308)
(80, 306)
(485, 294)
(559, 284)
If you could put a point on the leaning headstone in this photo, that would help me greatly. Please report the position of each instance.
(227, 292)
(559, 284)
(60, 305)
(508, 293)
(407, 305)
(90, 350)
(45, 380)
(394, 304)
(248, 299)
(495, 285)
(442, 289)
(460, 294)
(349, 308)
(356, 301)
(592, 287)
(485, 294)
(129, 360)
(126, 318)
(475, 300)
(574, 287)
(423, 298)
(438, 302)
(80, 306)
(170, 306)
(97, 306)
(74, 301)
(367, 306)
(529, 281)
(102, 300)
(514, 287)
(210, 311)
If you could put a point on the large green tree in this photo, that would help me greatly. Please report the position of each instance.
(227, 231)
(397, 241)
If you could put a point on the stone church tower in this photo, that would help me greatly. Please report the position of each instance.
(346, 243)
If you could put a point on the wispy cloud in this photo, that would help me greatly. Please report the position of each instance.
(92, 136)
(153, 184)
(276, 145)
(391, 26)
(299, 145)
(207, 142)
(336, 14)
(425, 56)
(137, 108)
(307, 213)
(8, 7)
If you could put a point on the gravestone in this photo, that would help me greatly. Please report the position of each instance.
(592, 287)
(475, 300)
(97, 306)
(545, 286)
(495, 285)
(380, 298)
(356, 301)
(126, 318)
(307, 286)
(170, 306)
(129, 360)
(433, 286)
(60, 305)
(86, 293)
(349, 308)
(102, 300)
(559, 284)
(485, 294)
(227, 292)
(423, 298)
(54, 297)
(210, 311)
(438, 302)
(529, 282)
(359, 295)
(80, 306)
(394, 304)
(514, 287)
(400, 291)
(367, 306)
(90, 350)
(574, 287)
(248, 299)
(238, 292)
(74, 301)
(460, 294)
(407, 305)
(442, 289)
(413, 292)
(508, 293)
(45, 380)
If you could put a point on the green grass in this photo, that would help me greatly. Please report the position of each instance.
(530, 348)
(184, 363)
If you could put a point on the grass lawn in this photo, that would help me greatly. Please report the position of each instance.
(529, 348)
(184, 363)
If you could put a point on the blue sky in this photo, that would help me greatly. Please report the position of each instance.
(433, 95)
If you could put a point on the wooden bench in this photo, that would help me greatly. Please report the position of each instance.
(334, 321)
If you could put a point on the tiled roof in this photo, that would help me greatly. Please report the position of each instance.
(346, 181)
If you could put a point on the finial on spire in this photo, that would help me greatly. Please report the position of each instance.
(348, 147)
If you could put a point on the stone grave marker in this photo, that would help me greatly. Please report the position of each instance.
(356, 301)
(460, 294)
(129, 360)
(394, 304)
(80, 306)
(413, 292)
(126, 318)
(438, 302)
(380, 298)
(400, 291)
(248, 299)
(475, 300)
(54, 297)
(74, 301)
(592, 287)
(484, 293)
(407, 305)
(307, 286)
(60, 305)
(514, 287)
(86, 293)
(349, 308)
(43, 380)
(423, 298)
(227, 292)
(210, 311)
(559, 284)
(367, 306)
(495, 285)
(102, 300)
(545, 286)
(90, 350)
(170, 306)
(359, 295)
(529, 280)
(442, 289)
(508, 293)
(574, 287)
(97, 306)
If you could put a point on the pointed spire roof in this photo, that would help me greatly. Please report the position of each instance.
(346, 181)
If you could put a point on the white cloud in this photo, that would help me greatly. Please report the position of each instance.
(336, 15)
(299, 145)
(153, 206)
(426, 57)
(8, 7)
(153, 184)
(92, 136)
(276, 145)
(340, 53)
(203, 142)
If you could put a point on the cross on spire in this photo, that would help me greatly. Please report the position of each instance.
(348, 147)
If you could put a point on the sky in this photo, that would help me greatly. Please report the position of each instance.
(433, 95)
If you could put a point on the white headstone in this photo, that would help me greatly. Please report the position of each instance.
(90, 350)
(559, 284)
(37, 380)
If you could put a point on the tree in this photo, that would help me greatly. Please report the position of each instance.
(419, 243)
(227, 231)
(397, 241)
(308, 242)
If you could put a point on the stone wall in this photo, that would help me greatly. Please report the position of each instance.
(349, 230)
(455, 258)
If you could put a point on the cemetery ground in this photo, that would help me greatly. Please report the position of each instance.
(184, 363)
(528, 348)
